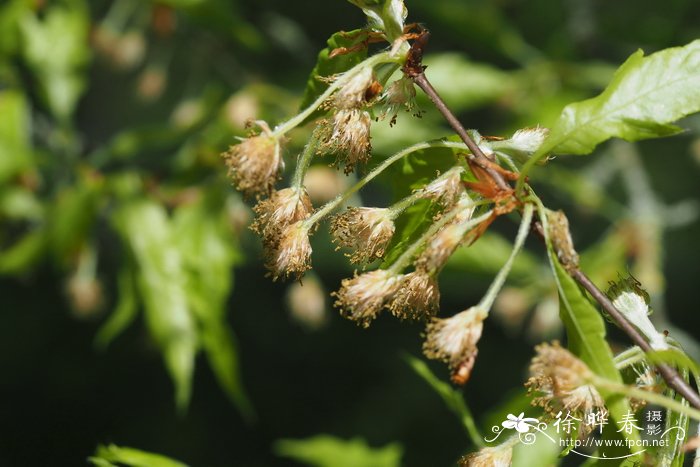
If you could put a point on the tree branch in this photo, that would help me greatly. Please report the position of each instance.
(416, 71)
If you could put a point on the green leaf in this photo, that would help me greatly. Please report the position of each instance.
(24, 253)
(161, 280)
(209, 253)
(488, 255)
(585, 331)
(15, 146)
(56, 47)
(452, 398)
(109, 455)
(327, 66)
(483, 83)
(328, 451)
(644, 97)
(124, 313)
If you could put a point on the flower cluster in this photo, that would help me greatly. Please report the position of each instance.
(562, 382)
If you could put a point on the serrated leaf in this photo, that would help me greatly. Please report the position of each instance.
(644, 97)
(327, 66)
(145, 229)
(453, 398)
(209, 254)
(111, 454)
(329, 451)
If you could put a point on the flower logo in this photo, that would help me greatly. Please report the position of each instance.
(520, 423)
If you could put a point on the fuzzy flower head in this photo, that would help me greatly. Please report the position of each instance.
(523, 143)
(454, 339)
(447, 188)
(367, 231)
(354, 94)
(628, 296)
(255, 163)
(497, 456)
(562, 381)
(348, 136)
(417, 297)
(282, 208)
(400, 94)
(363, 297)
(289, 253)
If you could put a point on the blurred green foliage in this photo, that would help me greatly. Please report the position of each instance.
(113, 202)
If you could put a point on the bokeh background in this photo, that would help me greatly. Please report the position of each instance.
(106, 103)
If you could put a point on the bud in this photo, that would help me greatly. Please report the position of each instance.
(307, 303)
(498, 456)
(523, 143)
(367, 231)
(562, 382)
(323, 183)
(453, 340)
(289, 253)
(363, 297)
(447, 188)
(417, 297)
(561, 239)
(85, 295)
(282, 208)
(352, 95)
(255, 163)
(628, 296)
(349, 137)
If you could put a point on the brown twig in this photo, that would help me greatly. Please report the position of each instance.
(416, 71)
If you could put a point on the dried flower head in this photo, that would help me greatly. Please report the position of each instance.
(562, 380)
(399, 94)
(417, 297)
(441, 246)
(282, 208)
(367, 231)
(363, 297)
(497, 456)
(447, 188)
(353, 94)
(289, 251)
(453, 340)
(255, 163)
(348, 137)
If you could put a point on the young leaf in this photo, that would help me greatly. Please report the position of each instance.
(327, 66)
(109, 455)
(644, 97)
(328, 451)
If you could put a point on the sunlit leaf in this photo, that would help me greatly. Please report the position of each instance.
(644, 97)
(56, 47)
(15, 146)
(482, 83)
(161, 279)
(116, 455)
(328, 451)
(209, 253)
